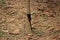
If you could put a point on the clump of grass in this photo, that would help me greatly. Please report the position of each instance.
(38, 32)
(43, 18)
(12, 13)
(2, 1)
(2, 21)
(3, 4)
(54, 31)
(21, 30)
(2, 34)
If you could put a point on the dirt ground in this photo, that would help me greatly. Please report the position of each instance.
(29, 19)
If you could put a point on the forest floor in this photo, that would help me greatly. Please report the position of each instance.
(43, 25)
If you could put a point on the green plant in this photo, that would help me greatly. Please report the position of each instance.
(12, 13)
(38, 32)
(3, 4)
(21, 30)
(2, 1)
(2, 34)
(54, 31)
